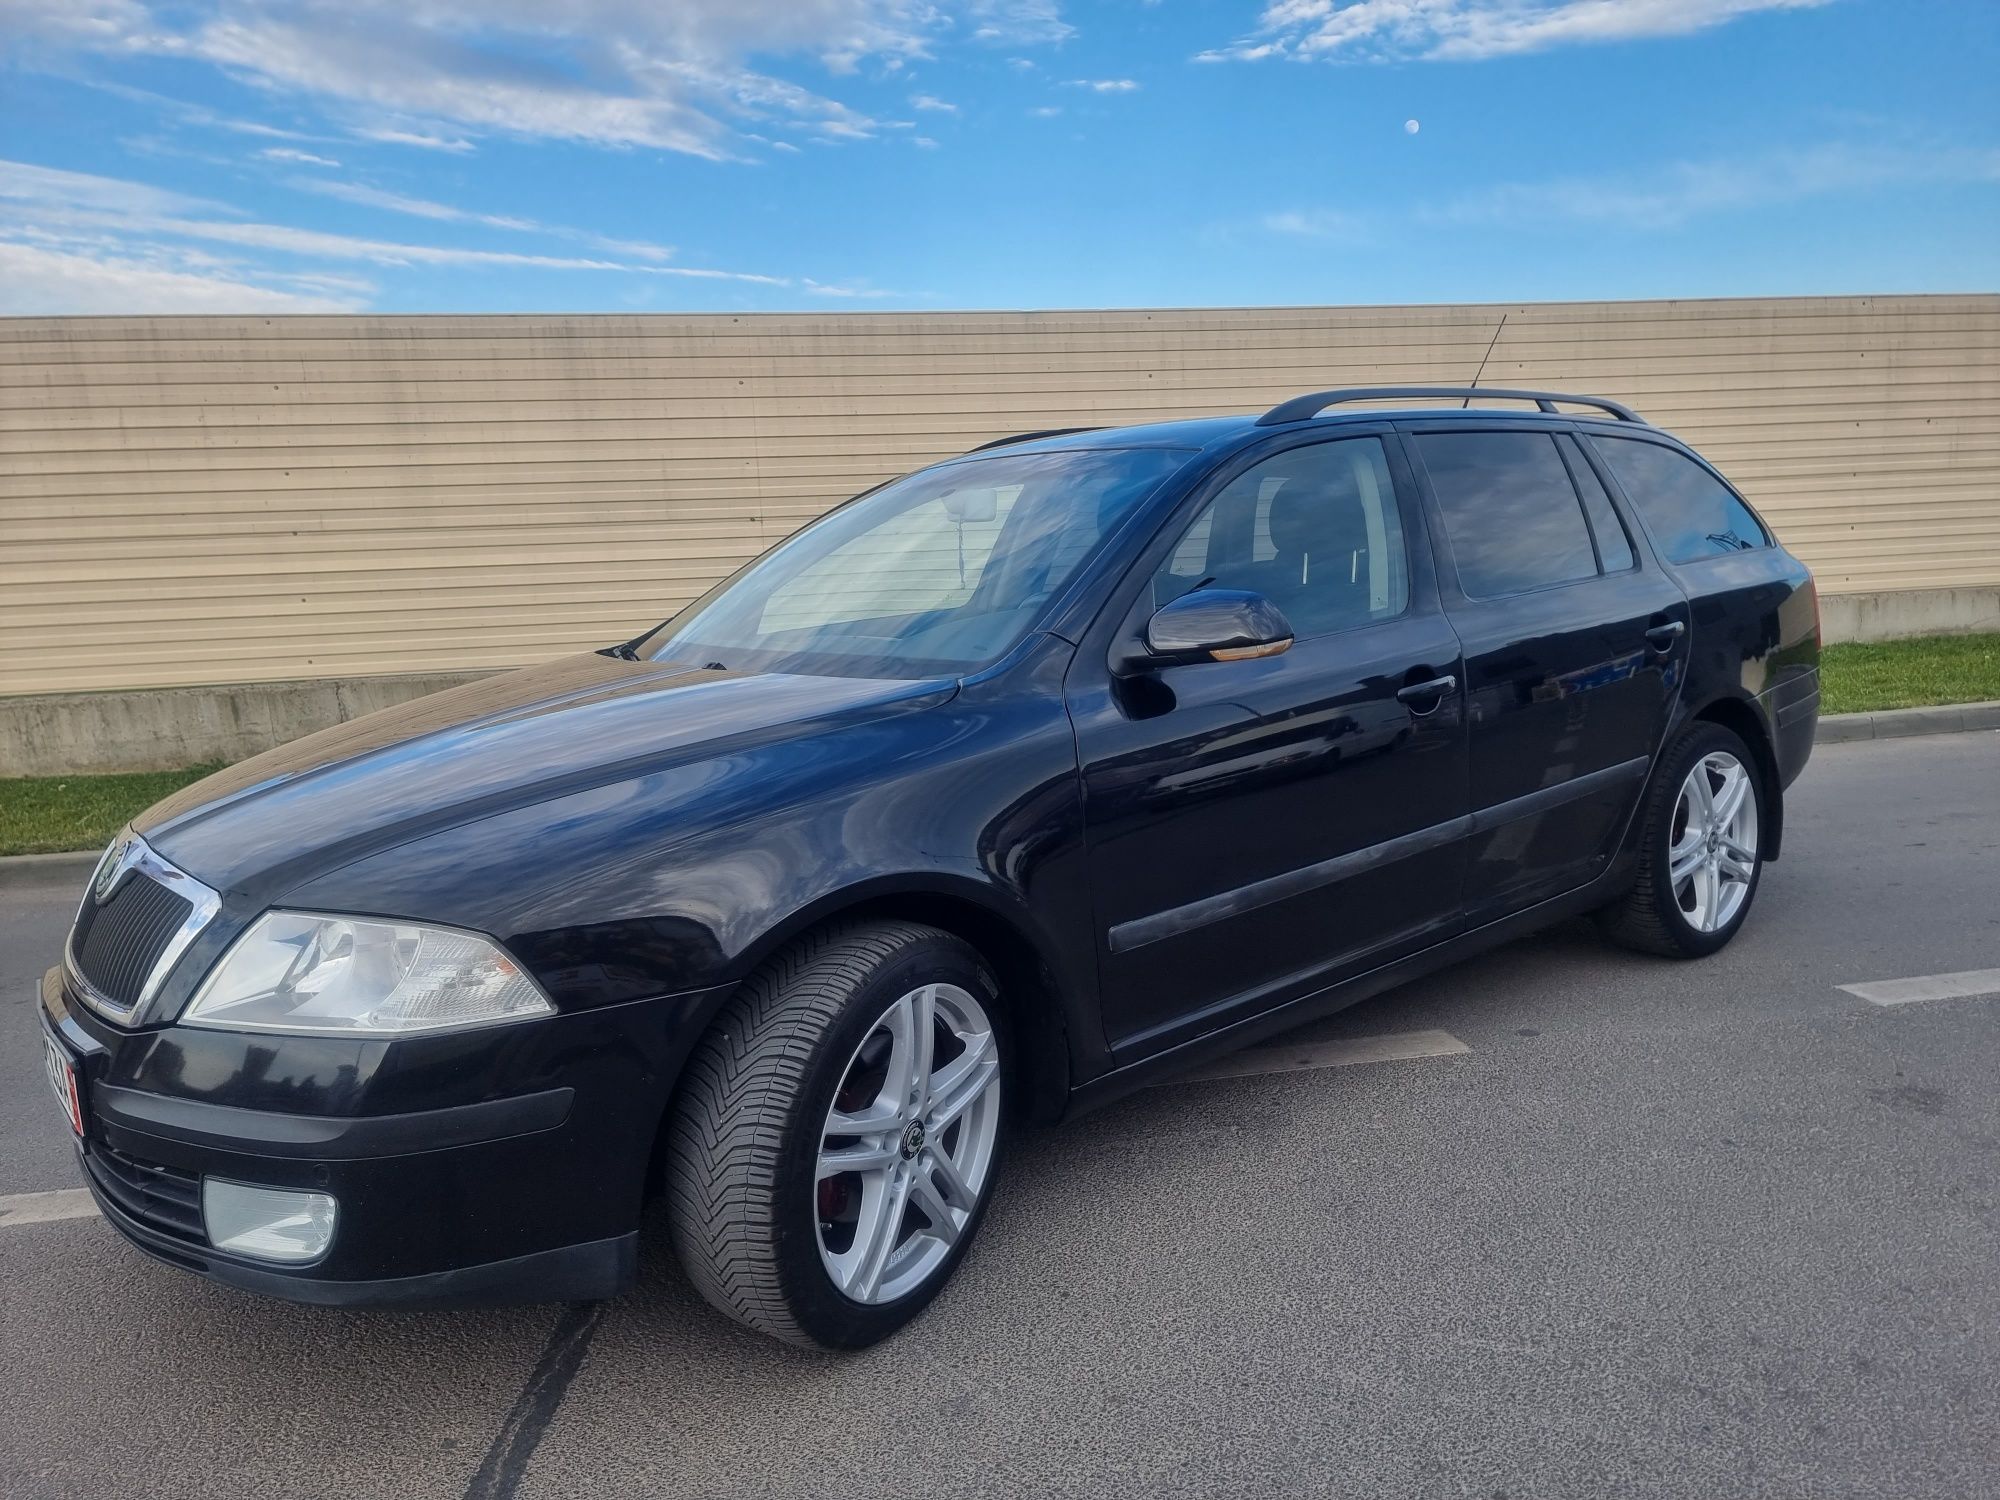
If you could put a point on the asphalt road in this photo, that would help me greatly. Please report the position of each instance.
(1704, 1230)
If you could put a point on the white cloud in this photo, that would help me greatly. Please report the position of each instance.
(1018, 22)
(924, 141)
(438, 74)
(37, 280)
(86, 22)
(849, 290)
(426, 208)
(104, 239)
(1469, 29)
(1667, 197)
(1045, 111)
(392, 137)
(23, 182)
(932, 102)
(292, 154)
(1104, 85)
(399, 203)
(1317, 224)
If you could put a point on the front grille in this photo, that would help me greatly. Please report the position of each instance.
(162, 1198)
(117, 944)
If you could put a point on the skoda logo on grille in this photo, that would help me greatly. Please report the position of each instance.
(125, 852)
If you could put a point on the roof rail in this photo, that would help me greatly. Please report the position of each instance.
(1299, 408)
(1029, 437)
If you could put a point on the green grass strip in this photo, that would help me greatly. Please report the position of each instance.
(50, 814)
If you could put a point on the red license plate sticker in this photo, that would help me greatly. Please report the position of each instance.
(62, 1078)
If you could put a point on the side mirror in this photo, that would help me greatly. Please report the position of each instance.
(1215, 625)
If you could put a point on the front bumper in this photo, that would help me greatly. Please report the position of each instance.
(521, 1181)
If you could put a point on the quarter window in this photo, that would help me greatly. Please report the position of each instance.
(1614, 547)
(1510, 510)
(1313, 529)
(1691, 513)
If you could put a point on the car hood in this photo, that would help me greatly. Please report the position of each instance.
(490, 746)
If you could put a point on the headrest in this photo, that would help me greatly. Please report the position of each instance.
(1319, 520)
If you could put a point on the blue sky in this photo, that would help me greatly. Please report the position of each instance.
(705, 155)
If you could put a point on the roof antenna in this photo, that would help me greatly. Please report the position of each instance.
(1482, 362)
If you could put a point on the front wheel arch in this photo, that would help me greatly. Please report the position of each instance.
(1043, 1006)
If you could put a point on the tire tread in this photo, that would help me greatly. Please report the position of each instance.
(743, 1082)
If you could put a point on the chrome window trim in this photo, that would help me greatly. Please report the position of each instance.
(129, 853)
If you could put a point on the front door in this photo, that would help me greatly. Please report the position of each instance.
(1575, 645)
(1258, 829)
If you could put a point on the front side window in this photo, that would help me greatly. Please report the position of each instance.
(1691, 513)
(1510, 510)
(939, 572)
(1313, 529)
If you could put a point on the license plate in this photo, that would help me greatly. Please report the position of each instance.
(62, 1078)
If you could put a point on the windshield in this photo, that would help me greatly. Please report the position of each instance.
(939, 572)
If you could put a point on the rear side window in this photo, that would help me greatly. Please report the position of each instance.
(1512, 514)
(1614, 547)
(1690, 512)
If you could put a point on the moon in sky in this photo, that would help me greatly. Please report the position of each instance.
(1411, 127)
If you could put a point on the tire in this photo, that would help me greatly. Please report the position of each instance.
(768, 1236)
(1685, 917)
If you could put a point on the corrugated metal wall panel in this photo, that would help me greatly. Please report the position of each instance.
(207, 500)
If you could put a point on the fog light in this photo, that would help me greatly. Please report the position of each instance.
(268, 1223)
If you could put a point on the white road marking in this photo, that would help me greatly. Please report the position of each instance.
(1395, 1047)
(1968, 985)
(46, 1208)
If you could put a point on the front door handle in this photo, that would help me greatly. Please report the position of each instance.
(1664, 636)
(1434, 689)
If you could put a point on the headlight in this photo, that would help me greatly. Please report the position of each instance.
(345, 976)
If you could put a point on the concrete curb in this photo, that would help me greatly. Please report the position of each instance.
(1898, 723)
(48, 872)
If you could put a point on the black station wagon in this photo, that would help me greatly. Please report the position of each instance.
(1008, 787)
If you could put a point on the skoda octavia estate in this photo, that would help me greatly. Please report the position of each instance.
(1006, 788)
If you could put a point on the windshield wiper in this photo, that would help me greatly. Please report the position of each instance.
(623, 651)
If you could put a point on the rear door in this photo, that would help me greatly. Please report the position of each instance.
(1575, 643)
(1258, 829)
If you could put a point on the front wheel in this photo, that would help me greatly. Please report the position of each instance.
(835, 1145)
(1698, 857)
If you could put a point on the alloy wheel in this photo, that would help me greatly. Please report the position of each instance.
(908, 1144)
(1713, 857)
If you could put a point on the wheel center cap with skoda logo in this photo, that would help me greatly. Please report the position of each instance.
(913, 1139)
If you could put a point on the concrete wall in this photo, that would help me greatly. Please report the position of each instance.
(251, 504)
(218, 500)
(164, 729)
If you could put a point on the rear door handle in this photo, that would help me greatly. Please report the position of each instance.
(1664, 636)
(1435, 689)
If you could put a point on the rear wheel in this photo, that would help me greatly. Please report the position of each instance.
(1698, 859)
(836, 1143)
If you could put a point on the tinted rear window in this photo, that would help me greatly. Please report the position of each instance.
(1510, 510)
(1691, 513)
